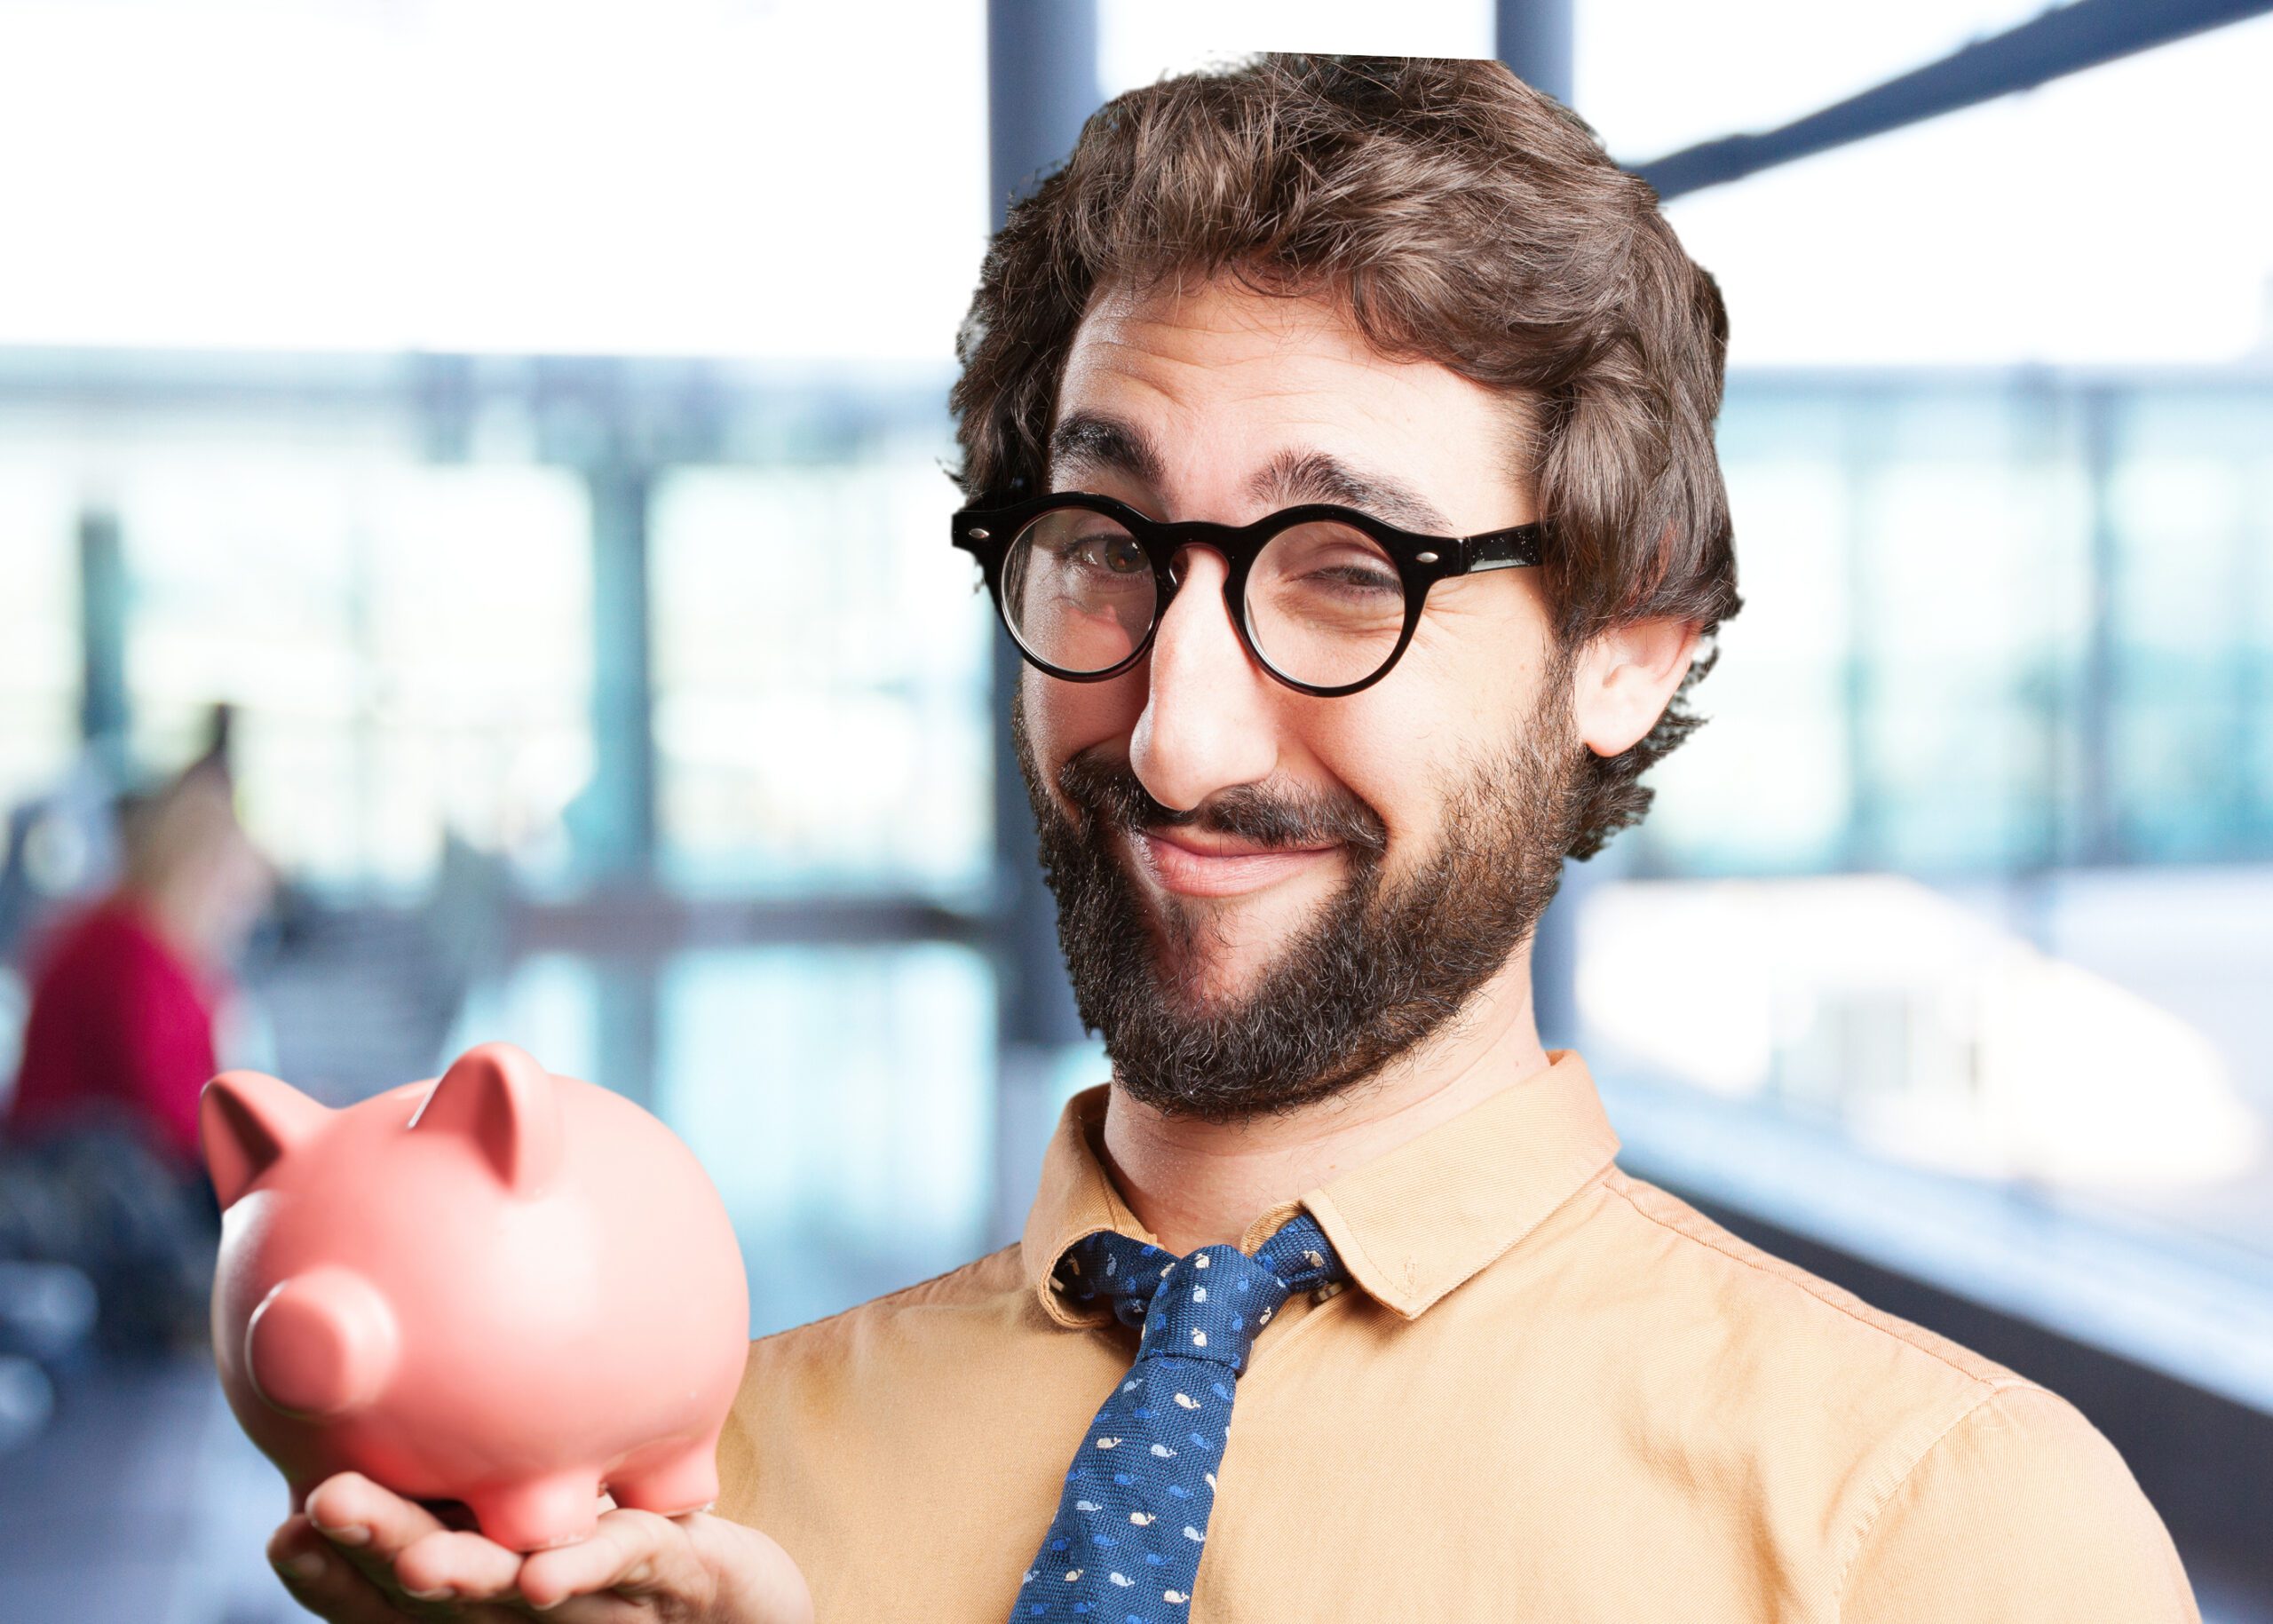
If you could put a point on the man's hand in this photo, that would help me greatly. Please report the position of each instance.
(361, 1554)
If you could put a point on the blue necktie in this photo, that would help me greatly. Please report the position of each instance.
(1125, 1542)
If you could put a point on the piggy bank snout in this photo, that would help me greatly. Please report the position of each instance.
(322, 1343)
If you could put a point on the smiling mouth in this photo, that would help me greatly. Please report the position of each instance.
(1198, 866)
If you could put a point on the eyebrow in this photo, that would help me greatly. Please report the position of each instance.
(1091, 441)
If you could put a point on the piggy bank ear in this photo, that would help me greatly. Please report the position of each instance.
(501, 1101)
(247, 1122)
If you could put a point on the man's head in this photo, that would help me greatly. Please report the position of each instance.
(1315, 279)
(190, 863)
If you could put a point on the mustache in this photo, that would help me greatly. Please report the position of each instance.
(1111, 793)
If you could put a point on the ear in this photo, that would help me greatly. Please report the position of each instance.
(501, 1103)
(247, 1124)
(1628, 676)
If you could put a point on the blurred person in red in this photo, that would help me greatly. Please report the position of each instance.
(124, 991)
(119, 1042)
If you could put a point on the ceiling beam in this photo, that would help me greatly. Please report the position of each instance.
(2065, 40)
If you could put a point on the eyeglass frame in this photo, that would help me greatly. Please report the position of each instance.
(1421, 561)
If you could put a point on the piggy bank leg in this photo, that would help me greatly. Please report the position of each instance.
(673, 1485)
(539, 1512)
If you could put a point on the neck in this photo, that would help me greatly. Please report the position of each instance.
(1195, 1184)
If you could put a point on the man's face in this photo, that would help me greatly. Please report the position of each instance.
(1264, 896)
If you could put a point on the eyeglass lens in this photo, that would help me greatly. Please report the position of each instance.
(1324, 604)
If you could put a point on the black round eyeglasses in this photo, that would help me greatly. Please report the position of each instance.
(1324, 598)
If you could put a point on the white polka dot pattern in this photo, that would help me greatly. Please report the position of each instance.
(1125, 1543)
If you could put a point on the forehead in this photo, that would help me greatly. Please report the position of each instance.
(1220, 345)
(1264, 383)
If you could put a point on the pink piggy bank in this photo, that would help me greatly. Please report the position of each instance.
(502, 1286)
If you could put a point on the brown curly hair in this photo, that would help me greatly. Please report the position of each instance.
(1461, 216)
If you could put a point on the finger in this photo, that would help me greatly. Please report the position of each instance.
(334, 1589)
(373, 1528)
(366, 1524)
(452, 1565)
(321, 1581)
(636, 1553)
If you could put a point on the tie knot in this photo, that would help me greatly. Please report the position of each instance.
(1209, 1304)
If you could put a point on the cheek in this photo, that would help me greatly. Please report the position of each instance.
(1368, 747)
(1064, 718)
(1487, 637)
(1401, 732)
(1403, 745)
(1470, 676)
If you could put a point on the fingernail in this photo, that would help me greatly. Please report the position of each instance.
(350, 1534)
(442, 1594)
(302, 1567)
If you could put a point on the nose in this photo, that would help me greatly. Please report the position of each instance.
(1207, 723)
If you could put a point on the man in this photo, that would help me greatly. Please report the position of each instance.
(100, 1128)
(126, 989)
(1334, 1304)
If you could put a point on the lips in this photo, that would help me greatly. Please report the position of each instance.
(1199, 865)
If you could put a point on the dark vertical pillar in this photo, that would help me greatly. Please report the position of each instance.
(2042, 446)
(2099, 823)
(620, 827)
(620, 823)
(104, 711)
(1534, 39)
(2250, 836)
(1865, 432)
(1041, 83)
(628, 1031)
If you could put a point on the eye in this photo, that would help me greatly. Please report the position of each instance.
(1357, 573)
(1115, 551)
(1326, 565)
(1352, 567)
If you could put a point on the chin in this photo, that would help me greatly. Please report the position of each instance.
(1213, 986)
(1224, 964)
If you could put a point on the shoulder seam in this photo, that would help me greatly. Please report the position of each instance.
(1869, 1525)
(1991, 1383)
(888, 1296)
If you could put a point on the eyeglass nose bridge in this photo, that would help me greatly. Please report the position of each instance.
(1174, 537)
(1177, 567)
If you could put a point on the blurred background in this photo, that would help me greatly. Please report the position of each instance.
(472, 566)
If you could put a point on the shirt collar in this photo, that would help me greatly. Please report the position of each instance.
(1411, 1224)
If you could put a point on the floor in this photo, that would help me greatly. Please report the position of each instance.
(142, 1503)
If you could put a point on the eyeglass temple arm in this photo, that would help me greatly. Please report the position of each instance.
(1510, 548)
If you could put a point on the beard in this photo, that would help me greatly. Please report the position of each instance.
(1384, 965)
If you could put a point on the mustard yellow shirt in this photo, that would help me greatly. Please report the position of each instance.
(1550, 1392)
